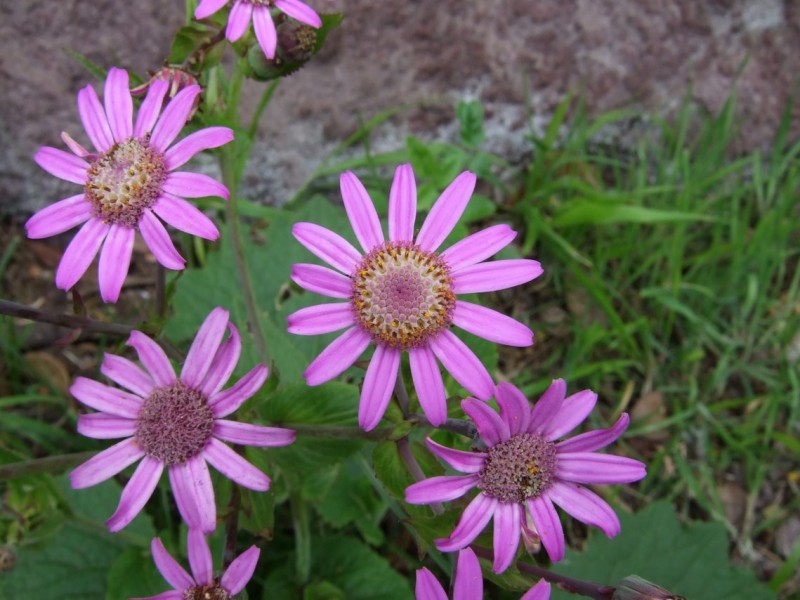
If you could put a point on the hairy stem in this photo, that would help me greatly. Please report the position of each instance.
(407, 456)
(14, 309)
(47, 464)
(231, 528)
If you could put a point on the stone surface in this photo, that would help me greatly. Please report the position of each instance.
(641, 53)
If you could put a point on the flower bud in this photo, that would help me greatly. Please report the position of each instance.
(177, 78)
(296, 42)
(634, 587)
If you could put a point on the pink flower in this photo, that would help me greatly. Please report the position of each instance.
(401, 295)
(468, 582)
(524, 467)
(174, 422)
(129, 182)
(202, 583)
(263, 24)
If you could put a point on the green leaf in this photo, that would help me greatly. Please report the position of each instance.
(134, 575)
(186, 40)
(592, 213)
(470, 117)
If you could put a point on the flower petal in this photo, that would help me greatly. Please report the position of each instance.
(174, 117)
(157, 239)
(548, 525)
(466, 462)
(515, 409)
(446, 212)
(361, 211)
(238, 20)
(541, 591)
(264, 27)
(80, 253)
(204, 139)
(402, 205)
(193, 185)
(492, 429)
(208, 8)
(427, 587)
(321, 318)
(102, 426)
(477, 514)
(169, 568)
(199, 557)
(468, 578)
(428, 383)
(223, 364)
(327, 245)
(584, 505)
(127, 374)
(185, 216)
(59, 217)
(225, 402)
(591, 467)
(548, 406)
(234, 467)
(119, 104)
(506, 535)
(106, 399)
(442, 488)
(379, 383)
(300, 11)
(94, 119)
(495, 275)
(322, 280)
(153, 357)
(240, 571)
(74, 146)
(462, 364)
(62, 164)
(194, 495)
(115, 260)
(204, 347)
(247, 434)
(106, 464)
(491, 325)
(338, 356)
(150, 108)
(136, 493)
(574, 411)
(594, 440)
(478, 247)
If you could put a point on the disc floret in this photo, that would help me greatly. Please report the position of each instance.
(211, 591)
(520, 468)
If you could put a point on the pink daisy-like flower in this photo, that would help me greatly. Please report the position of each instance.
(201, 584)
(468, 583)
(401, 295)
(525, 468)
(130, 182)
(259, 10)
(174, 423)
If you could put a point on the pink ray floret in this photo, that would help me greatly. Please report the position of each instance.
(468, 584)
(130, 180)
(525, 472)
(258, 11)
(175, 423)
(201, 583)
(401, 295)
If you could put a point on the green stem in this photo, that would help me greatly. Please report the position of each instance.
(302, 538)
(48, 464)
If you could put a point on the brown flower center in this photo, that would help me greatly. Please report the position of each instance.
(522, 467)
(211, 591)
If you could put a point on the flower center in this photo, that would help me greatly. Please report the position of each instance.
(124, 181)
(520, 468)
(211, 591)
(261, 2)
(175, 424)
(402, 296)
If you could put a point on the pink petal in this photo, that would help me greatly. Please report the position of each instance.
(174, 118)
(478, 247)
(59, 217)
(101, 426)
(548, 525)
(515, 409)
(428, 383)
(185, 216)
(106, 399)
(591, 467)
(62, 164)
(495, 275)
(427, 587)
(169, 568)
(379, 383)
(322, 280)
(321, 318)
(199, 557)
(440, 489)
(338, 356)
(115, 259)
(585, 505)
(300, 11)
(208, 7)
(234, 467)
(204, 347)
(468, 578)
(253, 435)
(574, 411)
(153, 357)
(136, 493)
(150, 108)
(205, 139)
(462, 364)
(238, 20)
(491, 325)
(327, 245)
(106, 464)
(361, 211)
(506, 535)
(224, 363)
(80, 253)
(194, 185)
(127, 374)
(264, 27)
(240, 571)
(194, 495)
(119, 104)
(402, 205)
(94, 119)
(594, 440)
(157, 239)
(492, 429)
(541, 591)
(446, 212)
(74, 146)
(466, 462)
(547, 407)
(225, 402)
(477, 514)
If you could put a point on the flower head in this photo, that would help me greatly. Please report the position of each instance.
(468, 582)
(202, 584)
(259, 10)
(174, 423)
(524, 471)
(130, 182)
(401, 295)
